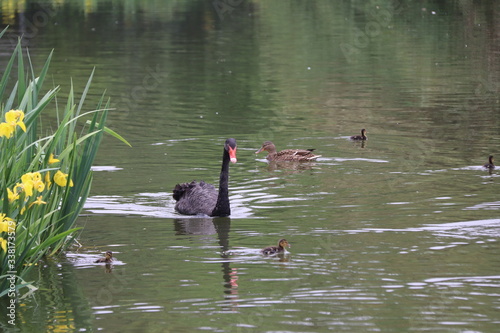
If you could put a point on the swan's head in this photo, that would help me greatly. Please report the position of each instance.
(267, 146)
(230, 147)
(491, 159)
(283, 243)
(363, 132)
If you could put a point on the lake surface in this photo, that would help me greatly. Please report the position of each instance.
(396, 234)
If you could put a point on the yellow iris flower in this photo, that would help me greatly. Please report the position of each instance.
(60, 179)
(27, 183)
(12, 195)
(5, 222)
(38, 201)
(15, 118)
(53, 160)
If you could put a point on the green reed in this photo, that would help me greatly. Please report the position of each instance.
(44, 180)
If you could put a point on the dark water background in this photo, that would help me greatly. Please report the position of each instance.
(398, 234)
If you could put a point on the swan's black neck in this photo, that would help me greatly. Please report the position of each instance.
(222, 206)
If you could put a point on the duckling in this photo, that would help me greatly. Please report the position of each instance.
(490, 164)
(294, 155)
(108, 259)
(360, 137)
(276, 249)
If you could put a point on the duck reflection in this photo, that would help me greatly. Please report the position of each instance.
(290, 167)
(283, 257)
(108, 268)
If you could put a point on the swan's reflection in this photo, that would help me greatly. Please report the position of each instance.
(202, 226)
(221, 227)
(194, 226)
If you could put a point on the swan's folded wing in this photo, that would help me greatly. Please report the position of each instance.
(195, 198)
(296, 155)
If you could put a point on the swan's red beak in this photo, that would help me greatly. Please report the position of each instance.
(232, 154)
(261, 149)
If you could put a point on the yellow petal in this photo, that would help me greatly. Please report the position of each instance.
(7, 223)
(47, 180)
(3, 244)
(28, 187)
(14, 115)
(11, 116)
(53, 160)
(3, 217)
(60, 178)
(21, 124)
(39, 201)
(12, 195)
(27, 177)
(6, 130)
(39, 185)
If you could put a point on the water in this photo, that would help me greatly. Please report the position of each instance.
(396, 234)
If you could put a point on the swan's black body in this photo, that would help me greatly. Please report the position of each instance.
(200, 198)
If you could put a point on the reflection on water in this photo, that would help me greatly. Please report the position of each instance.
(291, 167)
(196, 226)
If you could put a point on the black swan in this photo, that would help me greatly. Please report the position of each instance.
(490, 165)
(108, 259)
(276, 249)
(200, 198)
(294, 155)
(360, 137)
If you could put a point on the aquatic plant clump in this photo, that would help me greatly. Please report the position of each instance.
(44, 180)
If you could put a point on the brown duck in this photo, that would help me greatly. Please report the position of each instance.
(294, 155)
(276, 249)
(108, 259)
(360, 137)
(490, 165)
